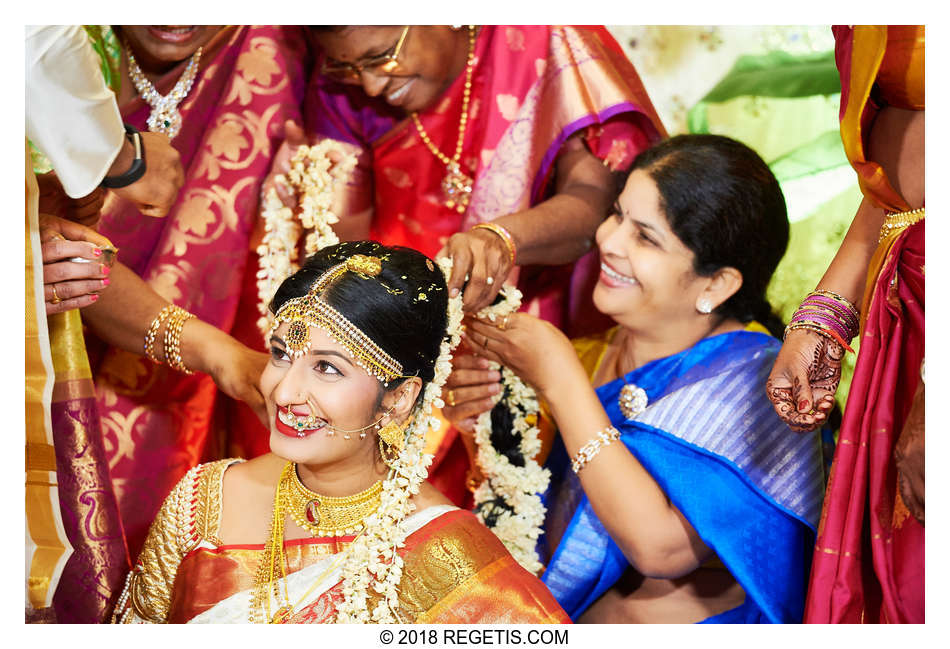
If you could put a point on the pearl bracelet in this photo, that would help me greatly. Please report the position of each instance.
(592, 448)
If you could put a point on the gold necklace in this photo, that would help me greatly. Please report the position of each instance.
(164, 117)
(457, 185)
(288, 495)
(327, 515)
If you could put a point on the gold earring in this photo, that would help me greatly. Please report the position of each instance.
(388, 453)
(392, 435)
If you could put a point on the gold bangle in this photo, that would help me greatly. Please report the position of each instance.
(173, 340)
(152, 332)
(593, 447)
(505, 236)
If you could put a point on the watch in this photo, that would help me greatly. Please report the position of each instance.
(137, 170)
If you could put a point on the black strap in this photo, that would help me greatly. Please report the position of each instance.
(137, 170)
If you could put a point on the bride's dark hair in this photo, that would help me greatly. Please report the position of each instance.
(403, 309)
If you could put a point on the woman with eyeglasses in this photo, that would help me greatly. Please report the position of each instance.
(495, 144)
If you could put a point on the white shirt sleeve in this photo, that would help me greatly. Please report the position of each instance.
(71, 115)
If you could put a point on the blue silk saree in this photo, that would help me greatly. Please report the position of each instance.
(749, 486)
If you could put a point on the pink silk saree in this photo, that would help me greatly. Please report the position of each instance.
(158, 423)
(533, 87)
(868, 565)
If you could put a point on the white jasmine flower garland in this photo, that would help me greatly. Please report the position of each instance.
(518, 523)
(312, 176)
(374, 561)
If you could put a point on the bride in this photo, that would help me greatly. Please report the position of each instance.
(337, 523)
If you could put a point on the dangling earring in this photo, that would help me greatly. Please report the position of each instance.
(390, 442)
(704, 306)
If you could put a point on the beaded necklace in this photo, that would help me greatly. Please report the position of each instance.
(457, 185)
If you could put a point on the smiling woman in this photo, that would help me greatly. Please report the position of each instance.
(676, 492)
(336, 524)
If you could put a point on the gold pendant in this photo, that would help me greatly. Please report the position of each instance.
(283, 615)
(457, 189)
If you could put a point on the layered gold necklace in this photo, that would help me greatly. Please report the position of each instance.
(457, 185)
(319, 515)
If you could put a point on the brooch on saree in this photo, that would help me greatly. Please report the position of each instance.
(632, 400)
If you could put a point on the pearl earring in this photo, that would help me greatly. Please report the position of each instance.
(704, 306)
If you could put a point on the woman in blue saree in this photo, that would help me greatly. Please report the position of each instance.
(689, 499)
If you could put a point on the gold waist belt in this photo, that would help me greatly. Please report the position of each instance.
(897, 221)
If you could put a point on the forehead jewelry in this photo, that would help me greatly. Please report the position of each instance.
(311, 310)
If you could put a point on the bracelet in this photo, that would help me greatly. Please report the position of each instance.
(505, 236)
(592, 448)
(137, 170)
(173, 340)
(824, 331)
(152, 332)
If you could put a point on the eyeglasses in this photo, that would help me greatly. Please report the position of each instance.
(383, 64)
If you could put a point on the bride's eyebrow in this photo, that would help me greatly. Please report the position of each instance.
(330, 352)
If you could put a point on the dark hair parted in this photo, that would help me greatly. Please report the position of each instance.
(402, 309)
(723, 202)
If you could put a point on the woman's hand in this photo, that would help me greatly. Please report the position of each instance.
(471, 389)
(54, 200)
(156, 192)
(235, 368)
(532, 348)
(481, 262)
(72, 284)
(294, 138)
(804, 378)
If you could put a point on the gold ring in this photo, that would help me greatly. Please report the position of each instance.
(450, 398)
(56, 299)
(504, 322)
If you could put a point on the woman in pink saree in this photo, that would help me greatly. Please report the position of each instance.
(231, 89)
(516, 127)
(869, 556)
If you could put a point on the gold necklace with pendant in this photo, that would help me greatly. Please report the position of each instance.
(457, 185)
(310, 511)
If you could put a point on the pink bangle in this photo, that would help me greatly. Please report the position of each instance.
(505, 236)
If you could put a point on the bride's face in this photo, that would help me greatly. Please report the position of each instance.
(340, 393)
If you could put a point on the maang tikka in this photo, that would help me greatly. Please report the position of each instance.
(311, 310)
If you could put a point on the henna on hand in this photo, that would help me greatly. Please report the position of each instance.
(823, 374)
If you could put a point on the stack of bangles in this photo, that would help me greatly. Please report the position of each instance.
(828, 314)
(592, 448)
(505, 236)
(176, 318)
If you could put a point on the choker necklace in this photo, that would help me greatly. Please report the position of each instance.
(165, 117)
(327, 515)
(457, 185)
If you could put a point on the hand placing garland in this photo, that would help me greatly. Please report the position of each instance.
(315, 171)
(508, 501)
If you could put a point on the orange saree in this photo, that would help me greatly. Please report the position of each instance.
(456, 571)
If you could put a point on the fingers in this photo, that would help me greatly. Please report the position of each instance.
(54, 273)
(468, 362)
(154, 211)
(464, 377)
(79, 232)
(72, 303)
(68, 290)
(461, 267)
(294, 135)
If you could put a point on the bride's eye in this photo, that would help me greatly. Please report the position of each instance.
(278, 353)
(326, 367)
